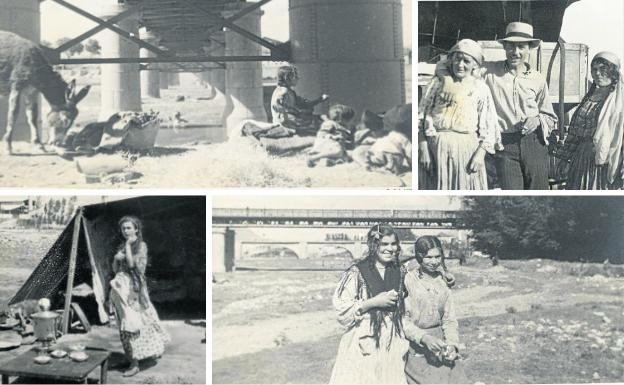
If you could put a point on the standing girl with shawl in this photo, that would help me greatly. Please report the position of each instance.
(430, 323)
(139, 327)
(594, 142)
(369, 301)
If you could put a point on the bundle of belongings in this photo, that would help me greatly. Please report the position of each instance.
(126, 130)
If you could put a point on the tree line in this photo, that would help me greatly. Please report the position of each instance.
(567, 228)
(51, 212)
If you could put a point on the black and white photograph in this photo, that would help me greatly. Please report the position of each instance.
(205, 93)
(103, 289)
(417, 289)
(520, 95)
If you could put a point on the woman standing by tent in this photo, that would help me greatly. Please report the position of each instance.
(139, 327)
(369, 302)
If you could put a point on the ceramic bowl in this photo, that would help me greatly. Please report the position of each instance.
(43, 359)
(58, 353)
(78, 356)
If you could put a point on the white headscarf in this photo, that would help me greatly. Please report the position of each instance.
(609, 133)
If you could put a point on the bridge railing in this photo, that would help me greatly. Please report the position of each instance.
(322, 214)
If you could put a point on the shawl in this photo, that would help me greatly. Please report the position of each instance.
(610, 131)
(375, 283)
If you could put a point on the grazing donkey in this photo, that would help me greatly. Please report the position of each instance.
(24, 70)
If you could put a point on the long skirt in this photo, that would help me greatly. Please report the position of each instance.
(359, 361)
(139, 326)
(584, 174)
(423, 367)
(451, 154)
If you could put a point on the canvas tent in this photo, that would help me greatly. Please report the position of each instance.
(174, 229)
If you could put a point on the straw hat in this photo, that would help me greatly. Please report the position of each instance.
(469, 47)
(518, 32)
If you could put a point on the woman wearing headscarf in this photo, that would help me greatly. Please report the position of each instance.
(139, 326)
(457, 124)
(593, 145)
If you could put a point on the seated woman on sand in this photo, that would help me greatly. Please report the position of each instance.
(393, 151)
(290, 110)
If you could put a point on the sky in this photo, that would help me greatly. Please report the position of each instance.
(58, 22)
(386, 202)
(596, 23)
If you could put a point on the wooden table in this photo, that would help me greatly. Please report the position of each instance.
(63, 369)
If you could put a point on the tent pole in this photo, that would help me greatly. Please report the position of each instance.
(72, 270)
(96, 283)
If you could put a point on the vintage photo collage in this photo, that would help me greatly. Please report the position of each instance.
(271, 140)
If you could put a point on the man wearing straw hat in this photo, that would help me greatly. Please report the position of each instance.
(525, 112)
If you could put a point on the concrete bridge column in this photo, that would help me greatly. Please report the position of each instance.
(302, 250)
(367, 71)
(150, 78)
(243, 80)
(218, 250)
(121, 83)
(174, 79)
(164, 80)
(23, 18)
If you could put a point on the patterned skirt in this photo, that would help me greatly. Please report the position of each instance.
(149, 341)
(584, 174)
(451, 154)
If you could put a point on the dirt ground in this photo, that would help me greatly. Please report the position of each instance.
(184, 361)
(192, 157)
(521, 322)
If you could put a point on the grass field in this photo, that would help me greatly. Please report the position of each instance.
(522, 322)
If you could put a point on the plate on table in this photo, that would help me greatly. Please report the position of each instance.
(58, 353)
(78, 356)
(42, 360)
(9, 323)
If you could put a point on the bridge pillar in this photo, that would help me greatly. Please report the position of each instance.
(302, 250)
(174, 79)
(218, 250)
(163, 82)
(23, 18)
(243, 80)
(121, 84)
(367, 72)
(150, 78)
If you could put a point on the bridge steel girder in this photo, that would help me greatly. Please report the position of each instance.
(162, 56)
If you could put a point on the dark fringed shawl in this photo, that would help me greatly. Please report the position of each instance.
(394, 278)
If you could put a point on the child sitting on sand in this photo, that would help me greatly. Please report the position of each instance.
(393, 150)
(333, 137)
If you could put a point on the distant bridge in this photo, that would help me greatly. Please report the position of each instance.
(237, 234)
(408, 219)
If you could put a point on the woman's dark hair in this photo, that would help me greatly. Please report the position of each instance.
(426, 243)
(612, 71)
(340, 113)
(373, 240)
(137, 225)
(285, 75)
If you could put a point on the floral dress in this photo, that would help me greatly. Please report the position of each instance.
(359, 361)
(429, 310)
(139, 326)
(455, 118)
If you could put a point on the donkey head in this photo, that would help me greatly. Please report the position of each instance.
(62, 116)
